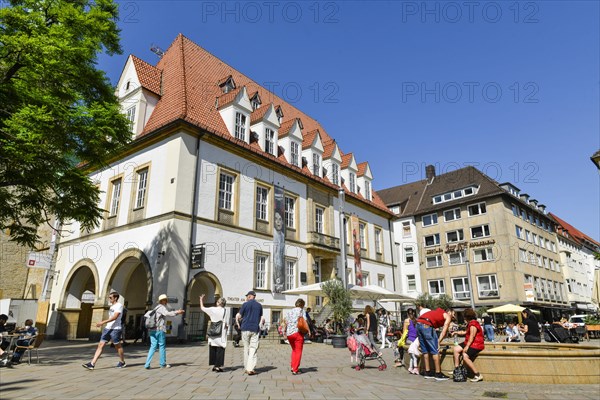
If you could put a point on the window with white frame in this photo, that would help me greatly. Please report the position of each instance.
(316, 164)
(553, 247)
(539, 260)
(335, 174)
(270, 141)
(535, 238)
(262, 199)
(455, 194)
(290, 274)
(436, 287)
(378, 247)
(457, 258)
(522, 255)
(115, 197)
(142, 184)
(430, 219)
(294, 153)
(480, 255)
(528, 235)
(460, 288)
(411, 282)
(434, 261)
(452, 215)
(130, 115)
(260, 271)
(476, 209)
(519, 231)
(406, 229)
(480, 231)
(455, 236)
(515, 210)
(290, 212)
(546, 263)
(531, 258)
(366, 278)
(226, 191)
(381, 280)
(487, 286)
(319, 212)
(432, 240)
(240, 126)
(409, 255)
(367, 190)
(352, 179)
(361, 232)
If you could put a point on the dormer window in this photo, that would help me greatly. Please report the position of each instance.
(335, 174)
(227, 85)
(128, 85)
(130, 114)
(367, 190)
(279, 113)
(269, 140)
(294, 153)
(255, 101)
(455, 194)
(240, 126)
(316, 164)
(352, 182)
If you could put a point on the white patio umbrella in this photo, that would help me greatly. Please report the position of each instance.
(310, 290)
(376, 293)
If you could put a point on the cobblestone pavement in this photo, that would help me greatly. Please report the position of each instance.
(327, 374)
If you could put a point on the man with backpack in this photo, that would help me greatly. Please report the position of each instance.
(156, 325)
(110, 333)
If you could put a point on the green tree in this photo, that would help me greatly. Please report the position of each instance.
(340, 302)
(428, 301)
(56, 110)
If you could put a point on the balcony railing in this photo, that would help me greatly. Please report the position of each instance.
(323, 240)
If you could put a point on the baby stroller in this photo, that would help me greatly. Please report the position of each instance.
(558, 334)
(360, 350)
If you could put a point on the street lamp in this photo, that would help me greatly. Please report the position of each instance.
(596, 159)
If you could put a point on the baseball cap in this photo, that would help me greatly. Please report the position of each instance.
(251, 293)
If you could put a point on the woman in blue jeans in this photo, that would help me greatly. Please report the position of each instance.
(158, 335)
(488, 327)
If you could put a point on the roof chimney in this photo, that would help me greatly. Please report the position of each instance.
(430, 172)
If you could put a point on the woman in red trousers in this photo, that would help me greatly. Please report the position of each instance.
(296, 340)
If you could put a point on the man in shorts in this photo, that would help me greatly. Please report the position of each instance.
(112, 332)
(427, 323)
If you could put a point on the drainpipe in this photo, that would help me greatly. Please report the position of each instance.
(342, 269)
(182, 332)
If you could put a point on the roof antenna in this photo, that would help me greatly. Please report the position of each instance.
(157, 50)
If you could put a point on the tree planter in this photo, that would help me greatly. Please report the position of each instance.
(338, 341)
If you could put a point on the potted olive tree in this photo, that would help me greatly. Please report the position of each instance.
(341, 305)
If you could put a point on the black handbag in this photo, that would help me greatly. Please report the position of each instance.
(215, 329)
(460, 373)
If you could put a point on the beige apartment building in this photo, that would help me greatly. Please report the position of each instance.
(465, 221)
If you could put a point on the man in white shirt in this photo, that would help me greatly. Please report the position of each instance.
(112, 332)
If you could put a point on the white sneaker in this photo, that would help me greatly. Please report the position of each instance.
(477, 378)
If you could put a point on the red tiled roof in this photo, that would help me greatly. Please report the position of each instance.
(346, 160)
(362, 168)
(574, 232)
(223, 80)
(258, 114)
(148, 75)
(286, 127)
(328, 149)
(309, 138)
(227, 98)
(190, 77)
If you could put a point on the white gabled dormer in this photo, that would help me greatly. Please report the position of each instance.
(255, 101)
(332, 161)
(312, 150)
(365, 179)
(290, 140)
(227, 84)
(265, 123)
(349, 171)
(235, 109)
(138, 91)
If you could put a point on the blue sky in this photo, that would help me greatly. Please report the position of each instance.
(510, 87)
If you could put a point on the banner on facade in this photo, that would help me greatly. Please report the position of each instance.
(355, 228)
(37, 259)
(279, 241)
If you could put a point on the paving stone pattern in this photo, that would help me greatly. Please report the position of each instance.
(327, 374)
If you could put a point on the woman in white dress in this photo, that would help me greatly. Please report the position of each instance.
(216, 345)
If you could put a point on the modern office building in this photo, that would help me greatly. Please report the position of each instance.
(463, 234)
